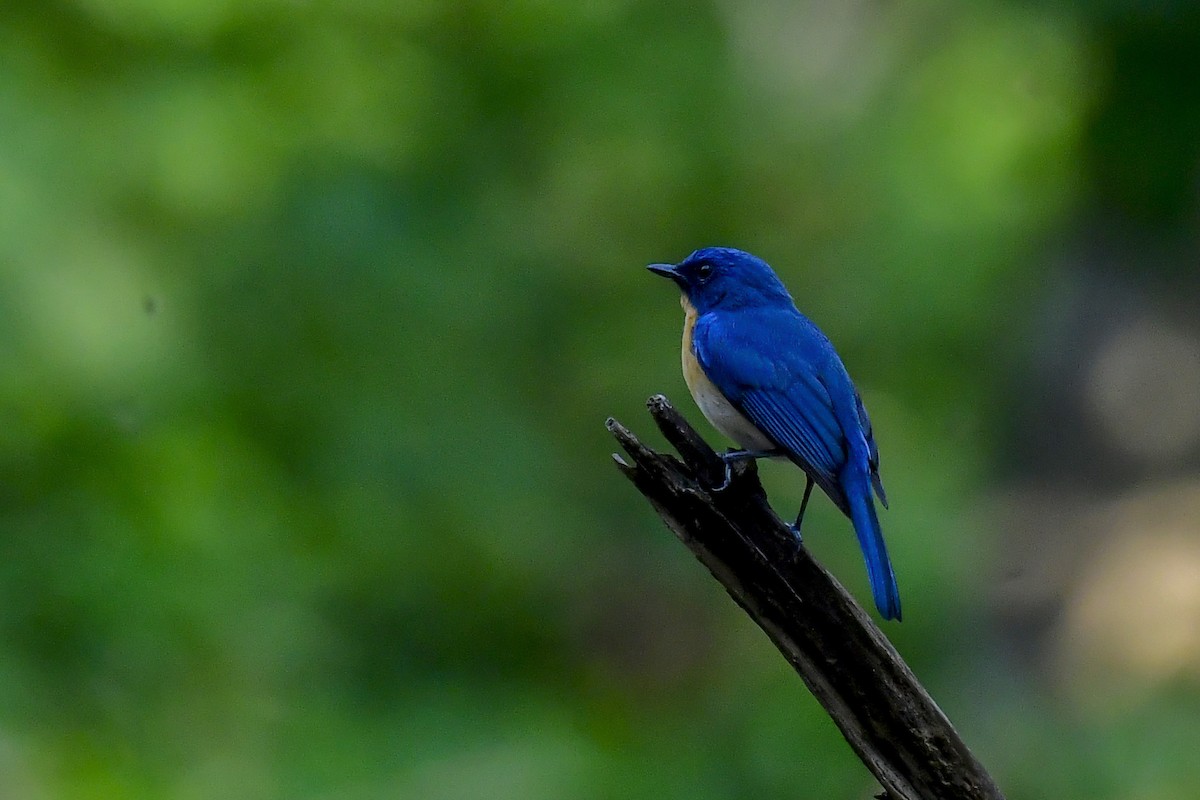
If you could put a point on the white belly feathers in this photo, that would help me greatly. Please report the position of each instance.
(719, 411)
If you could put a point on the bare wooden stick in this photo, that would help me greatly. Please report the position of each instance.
(888, 718)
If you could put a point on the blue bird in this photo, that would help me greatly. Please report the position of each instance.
(767, 378)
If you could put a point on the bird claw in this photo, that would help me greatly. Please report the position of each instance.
(730, 456)
(728, 477)
(795, 529)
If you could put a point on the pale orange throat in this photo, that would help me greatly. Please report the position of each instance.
(692, 372)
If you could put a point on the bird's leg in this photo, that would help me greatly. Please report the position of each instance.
(803, 505)
(730, 456)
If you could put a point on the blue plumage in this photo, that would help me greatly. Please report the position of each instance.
(767, 377)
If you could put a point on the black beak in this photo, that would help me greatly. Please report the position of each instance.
(666, 270)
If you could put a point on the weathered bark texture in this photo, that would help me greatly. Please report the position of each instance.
(889, 719)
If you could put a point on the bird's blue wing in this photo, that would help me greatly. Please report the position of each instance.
(872, 449)
(769, 365)
(779, 391)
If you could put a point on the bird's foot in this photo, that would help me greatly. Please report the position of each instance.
(795, 526)
(795, 529)
(728, 477)
(729, 457)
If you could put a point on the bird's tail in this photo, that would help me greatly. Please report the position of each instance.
(870, 539)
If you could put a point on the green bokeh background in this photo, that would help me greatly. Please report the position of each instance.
(311, 315)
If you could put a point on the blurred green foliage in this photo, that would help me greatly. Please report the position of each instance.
(312, 314)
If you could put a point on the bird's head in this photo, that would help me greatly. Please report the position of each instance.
(725, 278)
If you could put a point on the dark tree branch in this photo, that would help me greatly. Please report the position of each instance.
(892, 723)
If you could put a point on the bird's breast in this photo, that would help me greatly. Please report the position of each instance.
(712, 403)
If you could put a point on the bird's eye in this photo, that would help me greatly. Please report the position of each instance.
(704, 271)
